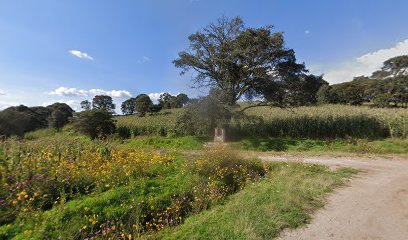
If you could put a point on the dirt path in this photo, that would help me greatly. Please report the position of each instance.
(373, 206)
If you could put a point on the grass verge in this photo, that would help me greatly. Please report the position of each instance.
(385, 146)
(284, 199)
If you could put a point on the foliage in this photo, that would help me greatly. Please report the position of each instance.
(104, 102)
(325, 121)
(128, 107)
(86, 105)
(162, 123)
(285, 199)
(168, 101)
(324, 94)
(58, 119)
(202, 116)
(358, 146)
(21, 119)
(169, 143)
(387, 87)
(329, 121)
(245, 62)
(94, 189)
(95, 123)
(143, 104)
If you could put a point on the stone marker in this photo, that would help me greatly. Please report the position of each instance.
(219, 135)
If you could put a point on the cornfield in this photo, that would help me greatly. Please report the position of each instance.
(328, 121)
(161, 124)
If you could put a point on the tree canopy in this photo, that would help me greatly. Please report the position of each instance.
(103, 102)
(21, 119)
(95, 123)
(242, 62)
(386, 87)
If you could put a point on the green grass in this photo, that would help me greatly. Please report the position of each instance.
(385, 146)
(157, 142)
(285, 199)
(113, 205)
(159, 124)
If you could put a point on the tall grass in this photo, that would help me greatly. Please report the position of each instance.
(98, 190)
(159, 124)
(334, 121)
(318, 122)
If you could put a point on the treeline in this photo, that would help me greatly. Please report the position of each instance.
(385, 88)
(140, 104)
(21, 119)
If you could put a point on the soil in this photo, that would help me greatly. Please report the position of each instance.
(374, 205)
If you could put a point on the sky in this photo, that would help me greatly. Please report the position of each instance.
(68, 51)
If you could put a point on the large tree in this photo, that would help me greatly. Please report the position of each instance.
(103, 102)
(129, 106)
(143, 103)
(242, 62)
(95, 123)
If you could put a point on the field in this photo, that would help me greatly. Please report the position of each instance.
(156, 184)
(76, 189)
(321, 122)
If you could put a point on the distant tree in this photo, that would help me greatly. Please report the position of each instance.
(103, 102)
(129, 106)
(63, 107)
(95, 123)
(86, 105)
(242, 62)
(165, 100)
(155, 108)
(396, 66)
(143, 103)
(181, 100)
(58, 119)
(324, 94)
(21, 119)
(60, 115)
(15, 123)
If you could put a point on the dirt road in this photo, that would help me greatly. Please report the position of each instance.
(373, 206)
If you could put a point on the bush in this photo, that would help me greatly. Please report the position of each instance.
(95, 123)
(226, 166)
(123, 132)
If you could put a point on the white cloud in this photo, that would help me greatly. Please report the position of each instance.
(74, 92)
(155, 96)
(69, 92)
(2, 92)
(307, 31)
(363, 65)
(80, 54)
(144, 60)
(112, 93)
(74, 104)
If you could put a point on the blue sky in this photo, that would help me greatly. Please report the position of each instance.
(124, 48)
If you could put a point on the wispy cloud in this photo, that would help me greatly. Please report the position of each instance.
(80, 54)
(363, 65)
(144, 60)
(307, 31)
(2, 92)
(74, 92)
